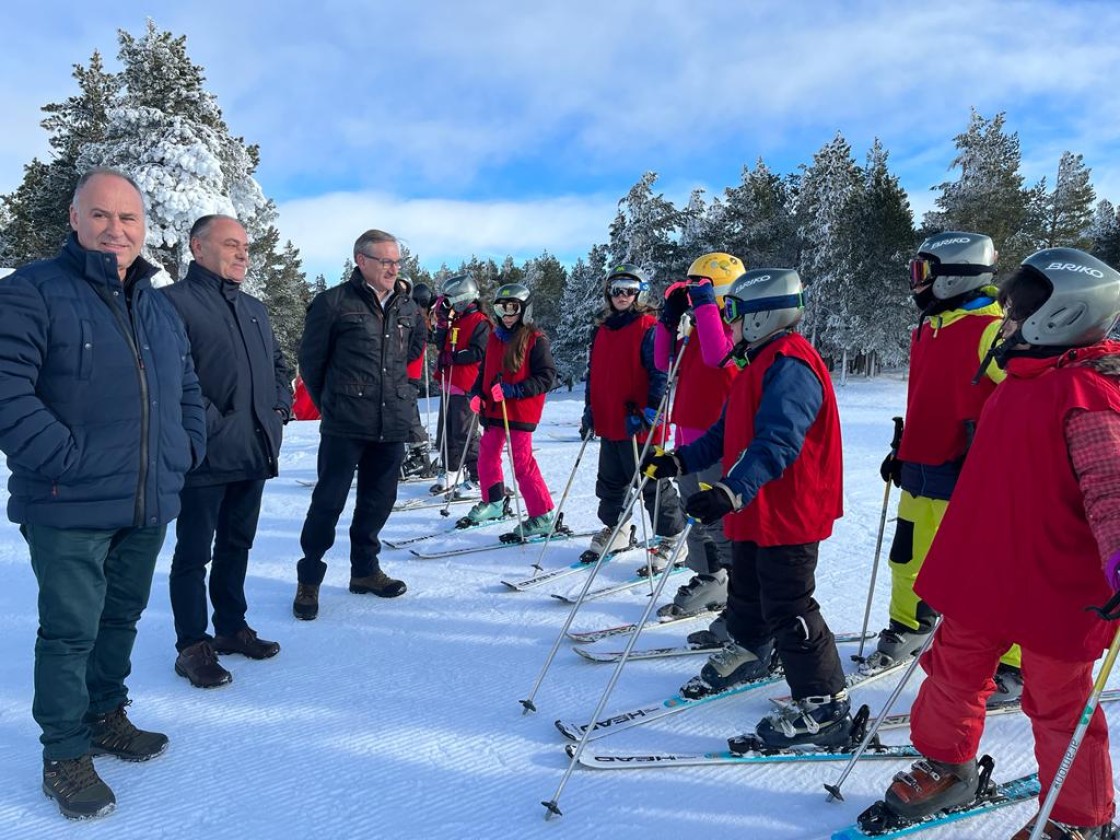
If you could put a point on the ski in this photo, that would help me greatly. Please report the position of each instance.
(629, 583)
(633, 761)
(902, 719)
(565, 438)
(654, 711)
(458, 528)
(680, 650)
(856, 678)
(588, 636)
(426, 504)
(475, 549)
(877, 821)
(563, 571)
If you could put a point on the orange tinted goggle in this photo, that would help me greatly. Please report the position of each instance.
(922, 271)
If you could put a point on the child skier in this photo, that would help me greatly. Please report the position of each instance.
(461, 333)
(515, 375)
(951, 284)
(624, 390)
(418, 462)
(1020, 558)
(779, 445)
(704, 376)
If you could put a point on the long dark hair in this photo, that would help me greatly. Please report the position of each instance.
(513, 357)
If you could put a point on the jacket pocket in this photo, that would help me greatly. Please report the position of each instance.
(85, 351)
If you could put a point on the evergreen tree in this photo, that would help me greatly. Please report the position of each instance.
(758, 223)
(698, 234)
(1069, 208)
(284, 289)
(320, 284)
(546, 278)
(347, 271)
(644, 231)
(581, 306)
(1104, 233)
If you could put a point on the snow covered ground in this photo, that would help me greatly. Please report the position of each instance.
(400, 718)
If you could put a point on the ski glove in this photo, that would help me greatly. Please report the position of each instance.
(701, 293)
(512, 390)
(662, 465)
(1112, 571)
(476, 403)
(891, 469)
(676, 302)
(586, 424)
(710, 505)
(637, 422)
(444, 360)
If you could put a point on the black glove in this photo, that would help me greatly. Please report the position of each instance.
(710, 505)
(891, 469)
(586, 424)
(662, 465)
(676, 302)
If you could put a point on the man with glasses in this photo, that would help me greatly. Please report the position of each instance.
(357, 341)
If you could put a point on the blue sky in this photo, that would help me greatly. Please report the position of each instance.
(496, 128)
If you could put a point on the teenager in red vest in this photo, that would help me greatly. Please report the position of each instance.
(302, 406)
(418, 462)
(516, 373)
(1020, 557)
(462, 330)
(704, 376)
(778, 443)
(624, 390)
(951, 283)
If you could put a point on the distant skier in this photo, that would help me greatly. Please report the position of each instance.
(778, 443)
(1032, 539)
(516, 373)
(704, 376)
(624, 389)
(951, 284)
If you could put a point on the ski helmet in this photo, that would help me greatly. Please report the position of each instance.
(722, 269)
(461, 291)
(627, 276)
(515, 292)
(956, 262)
(422, 294)
(1083, 303)
(766, 300)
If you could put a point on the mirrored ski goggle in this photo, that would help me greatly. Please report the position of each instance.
(625, 289)
(922, 271)
(735, 309)
(507, 307)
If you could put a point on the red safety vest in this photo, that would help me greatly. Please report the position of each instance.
(527, 410)
(458, 338)
(701, 390)
(618, 376)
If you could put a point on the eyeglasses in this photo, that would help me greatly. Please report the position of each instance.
(507, 307)
(623, 291)
(386, 264)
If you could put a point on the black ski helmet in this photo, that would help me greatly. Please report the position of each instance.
(460, 291)
(627, 274)
(518, 292)
(422, 294)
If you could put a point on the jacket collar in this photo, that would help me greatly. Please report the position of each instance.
(205, 277)
(101, 268)
(1030, 367)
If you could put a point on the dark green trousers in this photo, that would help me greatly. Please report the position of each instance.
(93, 586)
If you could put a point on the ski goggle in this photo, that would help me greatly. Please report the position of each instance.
(507, 307)
(735, 309)
(924, 270)
(625, 289)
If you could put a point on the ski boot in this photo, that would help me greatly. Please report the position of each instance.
(895, 643)
(932, 786)
(818, 721)
(483, 512)
(732, 666)
(534, 526)
(660, 554)
(714, 636)
(1009, 686)
(622, 541)
(703, 592)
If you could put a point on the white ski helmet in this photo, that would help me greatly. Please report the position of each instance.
(1083, 303)
(956, 261)
(767, 300)
(460, 291)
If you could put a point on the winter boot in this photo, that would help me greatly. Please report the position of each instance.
(932, 786)
(660, 554)
(465, 490)
(114, 734)
(306, 604)
(818, 721)
(74, 784)
(714, 636)
(703, 592)
(895, 644)
(534, 526)
(732, 666)
(379, 584)
(1060, 831)
(1009, 686)
(417, 464)
(441, 485)
(246, 642)
(599, 542)
(199, 664)
(486, 512)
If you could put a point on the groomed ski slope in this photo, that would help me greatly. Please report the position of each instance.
(400, 718)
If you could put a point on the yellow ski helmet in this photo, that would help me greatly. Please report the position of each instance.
(722, 269)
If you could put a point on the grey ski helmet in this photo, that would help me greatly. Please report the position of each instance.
(461, 291)
(1083, 304)
(517, 292)
(422, 294)
(627, 275)
(767, 300)
(956, 261)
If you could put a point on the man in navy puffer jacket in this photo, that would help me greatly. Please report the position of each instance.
(100, 419)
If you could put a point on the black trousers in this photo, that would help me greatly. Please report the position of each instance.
(217, 522)
(770, 594)
(459, 417)
(378, 465)
(616, 468)
(418, 433)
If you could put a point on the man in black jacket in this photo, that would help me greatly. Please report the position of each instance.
(244, 381)
(357, 340)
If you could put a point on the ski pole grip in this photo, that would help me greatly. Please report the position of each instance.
(896, 441)
(1110, 611)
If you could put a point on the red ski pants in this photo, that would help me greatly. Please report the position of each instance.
(948, 716)
(491, 451)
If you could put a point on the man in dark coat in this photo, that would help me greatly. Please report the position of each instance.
(357, 341)
(100, 417)
(244, 381)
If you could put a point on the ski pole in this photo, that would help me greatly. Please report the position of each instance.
(446, 509)
(645, 530)
(444, 396)
(537, 567)
(496, 391)
(1083, 724)
(895, 441)
(834, 790)
(427, 394)
(552, 808)
(623, 519)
